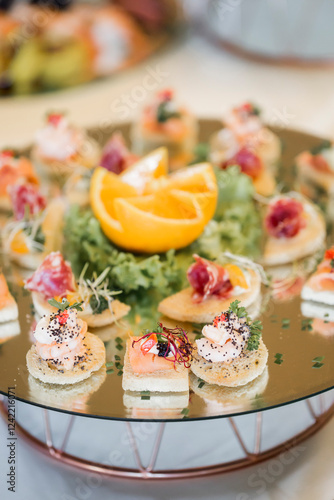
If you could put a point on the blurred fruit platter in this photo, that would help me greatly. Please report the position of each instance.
(172, 268)
(52, 45)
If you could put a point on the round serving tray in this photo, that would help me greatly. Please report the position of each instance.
(305, 367)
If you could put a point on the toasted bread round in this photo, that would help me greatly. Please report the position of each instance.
(240, 371)
(57, 168)
(105, 318)
(229, 397)
(279, 251)
(181, 307)
(40, 368)
(324, 180)
(70, 397)
(270, 149)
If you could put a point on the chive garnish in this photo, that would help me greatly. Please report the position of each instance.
(201, 383)
(307, 324)
(285, 323)
(318, 362)
(145, 395)
(278, 358)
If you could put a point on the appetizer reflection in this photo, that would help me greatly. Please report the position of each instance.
(155, 404)
(322, 317)
(220, 399)
(73, 397)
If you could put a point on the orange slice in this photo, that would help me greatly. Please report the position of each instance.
(144, 210)
(149, 167)
(18, 243)
(146, 231)
(236, 275)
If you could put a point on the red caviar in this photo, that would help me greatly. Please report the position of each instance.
(219, 319)
(62, 317)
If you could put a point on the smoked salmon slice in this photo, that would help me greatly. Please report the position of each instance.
(146, 363)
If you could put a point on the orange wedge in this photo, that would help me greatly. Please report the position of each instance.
(265, 184)
(18, 243)
(149, 167)
(105, 187)
(236, 275)
(149, 232)
(145, 210)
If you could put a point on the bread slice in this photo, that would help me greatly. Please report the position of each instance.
(239, 371)
(105, 318)
(41, 370)
(159, 381)
(10, 312)
(279, 251)
(9, 330)
(229, 397)
(157, 400)
(324, 297)
(181, 307)
(311, 309)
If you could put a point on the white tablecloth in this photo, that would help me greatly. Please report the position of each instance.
(209, 82)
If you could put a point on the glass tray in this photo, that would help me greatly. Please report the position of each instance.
(288, 378)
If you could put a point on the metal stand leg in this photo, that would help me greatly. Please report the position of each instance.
(149, 471)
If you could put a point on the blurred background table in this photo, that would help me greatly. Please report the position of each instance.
(207, 79)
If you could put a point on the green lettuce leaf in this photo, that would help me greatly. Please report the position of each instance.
(85, 242)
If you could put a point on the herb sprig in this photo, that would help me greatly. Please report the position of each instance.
(164, 113)
(326, 144)
(255, 327)
(64, 304)
(177, 343)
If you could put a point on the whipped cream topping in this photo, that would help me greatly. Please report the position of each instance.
(225, 339)
(60, 339)
(59, 141)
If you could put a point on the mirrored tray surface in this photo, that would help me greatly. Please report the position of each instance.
(286, 331)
